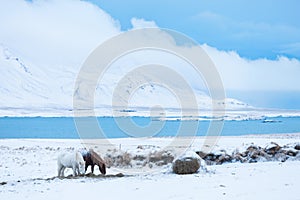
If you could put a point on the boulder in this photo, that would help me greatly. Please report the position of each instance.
(297, 147)
(272, 148)
(3, 183)
(211, 157)
(291, 153)
(239, 157)
(224, 158)
(187, 163)
(297, 157)
(201, 154)
(252, 148)
(280, 157)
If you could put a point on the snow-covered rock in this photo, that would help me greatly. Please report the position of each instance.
(272, 148)
(188, 163)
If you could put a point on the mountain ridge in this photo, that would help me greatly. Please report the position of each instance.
(28, 89)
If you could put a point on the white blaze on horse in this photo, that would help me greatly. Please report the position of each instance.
(72, 160)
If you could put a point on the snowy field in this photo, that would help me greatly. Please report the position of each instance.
(28, 171)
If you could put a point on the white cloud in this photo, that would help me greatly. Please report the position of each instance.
(54, 32)
(239, 73)
(142, 23)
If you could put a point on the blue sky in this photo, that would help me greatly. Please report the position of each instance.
(255, 29)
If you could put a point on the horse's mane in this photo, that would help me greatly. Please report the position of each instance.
(96, 157)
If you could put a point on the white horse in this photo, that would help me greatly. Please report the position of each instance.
(72, 160)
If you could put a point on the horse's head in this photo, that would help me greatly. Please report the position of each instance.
(81, 167)
(81, 163)
(102, 168)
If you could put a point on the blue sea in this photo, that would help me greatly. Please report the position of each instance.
(64, 127)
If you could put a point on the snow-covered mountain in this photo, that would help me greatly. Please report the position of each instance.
(30, 89)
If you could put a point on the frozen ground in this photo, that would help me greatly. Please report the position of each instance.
(28, 170)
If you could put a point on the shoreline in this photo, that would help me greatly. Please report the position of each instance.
(234, 115)
(295, 135)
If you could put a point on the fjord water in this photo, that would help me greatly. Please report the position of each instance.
(64, 127)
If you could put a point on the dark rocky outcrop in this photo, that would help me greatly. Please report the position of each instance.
(271, 152)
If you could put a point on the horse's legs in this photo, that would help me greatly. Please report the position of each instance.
(62, 172)
(58, 172)
(86, 166)
(74, 167)
(78, 172)
(99, 168)
(59, 168)
(92, 168)
(102, 169)
(74, 171)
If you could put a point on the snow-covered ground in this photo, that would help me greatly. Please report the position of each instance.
(28, 170)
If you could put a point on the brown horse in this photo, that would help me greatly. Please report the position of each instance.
(92, 158)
